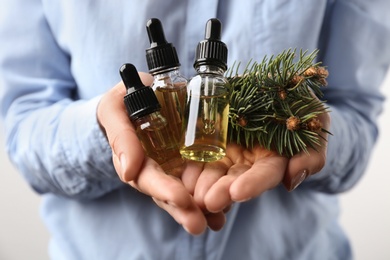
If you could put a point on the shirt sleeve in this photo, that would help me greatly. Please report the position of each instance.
(356, 50)
(52, 137)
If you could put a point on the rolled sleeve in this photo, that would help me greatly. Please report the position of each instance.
(52, 137)
(356, 50)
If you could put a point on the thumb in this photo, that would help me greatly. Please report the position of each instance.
(302, 165)
(128, 154)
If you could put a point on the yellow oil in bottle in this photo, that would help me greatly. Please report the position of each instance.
(206, 124)
(172, 101)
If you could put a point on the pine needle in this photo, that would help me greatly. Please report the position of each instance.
(266, 94)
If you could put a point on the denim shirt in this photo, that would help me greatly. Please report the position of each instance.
(58, 57)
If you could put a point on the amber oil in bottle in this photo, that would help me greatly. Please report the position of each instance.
(151, 127)
(169, 85)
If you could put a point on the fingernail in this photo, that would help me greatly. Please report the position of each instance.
(122, 160)
(298, 180)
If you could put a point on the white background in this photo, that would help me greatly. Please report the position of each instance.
(365, 209)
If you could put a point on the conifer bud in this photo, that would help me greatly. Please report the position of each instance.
(310, 72)
(296, 79)
(314, 124)
(292, 123)
(282, 94)
(322, 72)
(242, 121)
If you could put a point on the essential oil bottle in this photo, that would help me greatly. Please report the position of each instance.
(169, 85)
(143, 109)
(207, 106)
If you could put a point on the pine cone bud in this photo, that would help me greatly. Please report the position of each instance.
(322, 72)
(282, 94)
(314, 124)
(310, 72)
(296, 79)
(322, 81)
(292, 123)
(242, 121)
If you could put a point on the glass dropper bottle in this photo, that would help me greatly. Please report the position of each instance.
(206, 117)
(143, 109)
(169, 85)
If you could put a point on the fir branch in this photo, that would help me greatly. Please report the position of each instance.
(272, 102)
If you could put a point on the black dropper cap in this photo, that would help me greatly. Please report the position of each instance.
(161, 55)
(140, 100)
(212, 51)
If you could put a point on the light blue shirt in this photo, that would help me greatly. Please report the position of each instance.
(58, 57)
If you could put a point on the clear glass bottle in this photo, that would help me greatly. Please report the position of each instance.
(151, 127)
(206, 118)
(169, 85)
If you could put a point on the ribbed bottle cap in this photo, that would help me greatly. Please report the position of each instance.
(212, 50)
(161, 55)
(140, 100)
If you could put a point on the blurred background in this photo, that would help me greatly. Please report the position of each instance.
(365, 209)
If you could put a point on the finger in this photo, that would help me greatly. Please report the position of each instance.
(304, 164)
(128, 154)
(170, 194)
(146, 78)
(191, 218)
(153, 181)
(216, 221)
(211, 173)
(190, 175)
(218, 197)
(228, 208)
(266, 173)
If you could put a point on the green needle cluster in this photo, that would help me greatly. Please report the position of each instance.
(276, 103)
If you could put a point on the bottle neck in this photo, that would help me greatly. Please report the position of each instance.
(167, 72)
(169, 79)
(148, 118)
(207, 68)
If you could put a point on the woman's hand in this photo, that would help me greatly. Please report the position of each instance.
(141, 172)
(246, 173)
